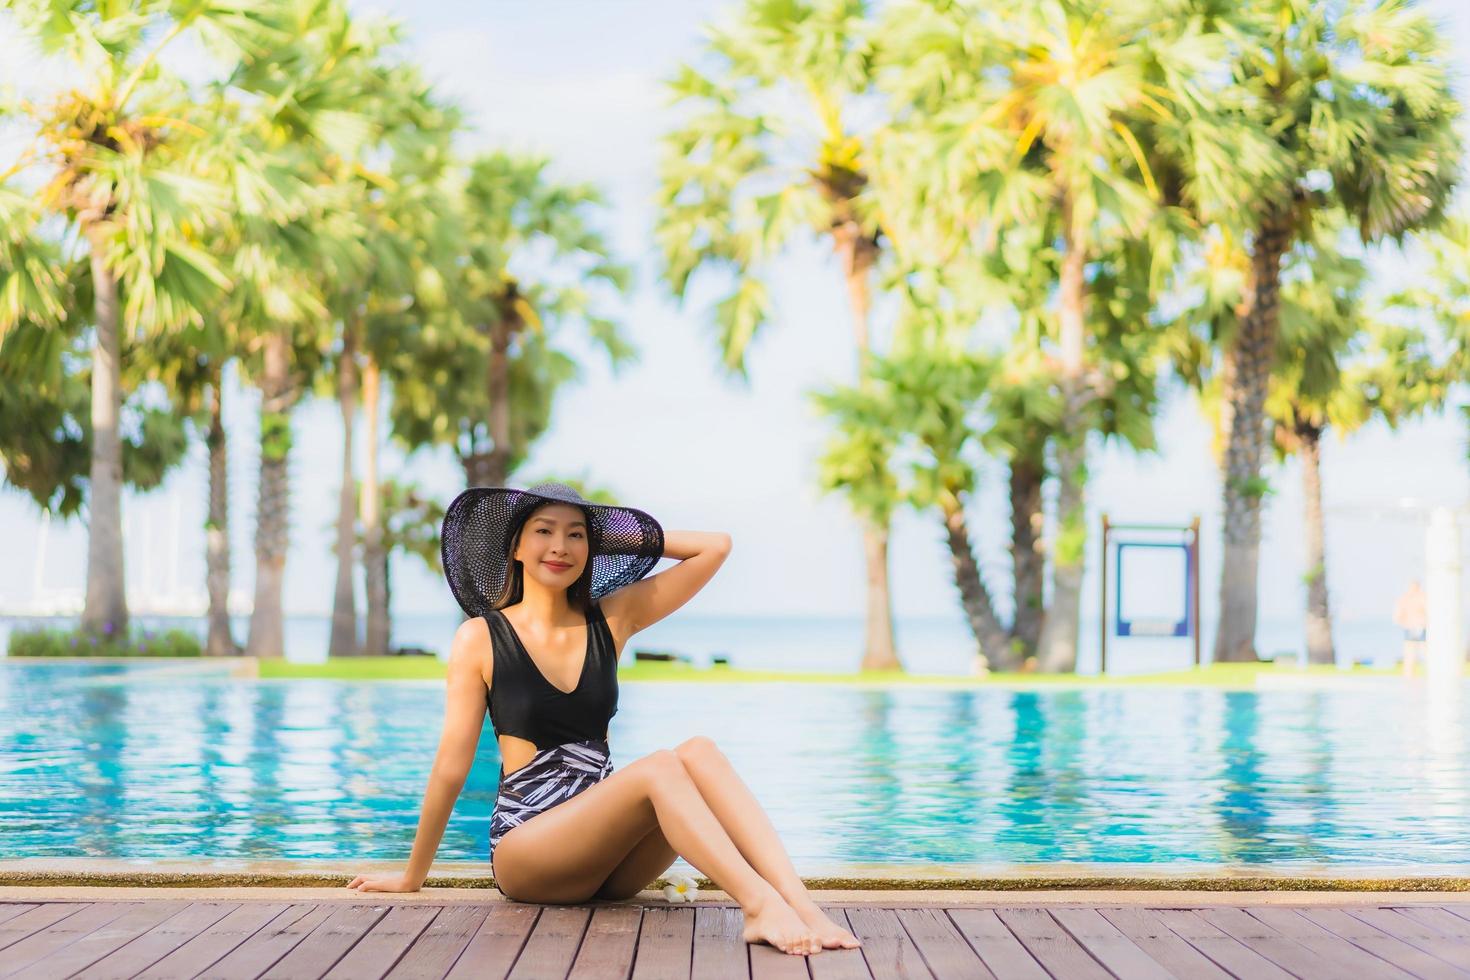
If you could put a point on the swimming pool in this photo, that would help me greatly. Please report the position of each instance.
(155, 761)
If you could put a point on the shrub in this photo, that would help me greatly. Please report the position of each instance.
(47, 642)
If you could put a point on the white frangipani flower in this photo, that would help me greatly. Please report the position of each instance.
(679, 888)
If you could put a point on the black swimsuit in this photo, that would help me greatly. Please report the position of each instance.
(568, 728)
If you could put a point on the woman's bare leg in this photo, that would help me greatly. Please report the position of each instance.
(649, 858)
(752, 832)
(563, 855)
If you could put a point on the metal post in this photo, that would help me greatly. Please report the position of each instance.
(1194, 581)
(1103, 606)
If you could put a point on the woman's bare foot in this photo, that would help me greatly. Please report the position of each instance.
(832, 935)
(777, 923)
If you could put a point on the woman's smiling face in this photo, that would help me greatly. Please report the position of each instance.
(553, 547)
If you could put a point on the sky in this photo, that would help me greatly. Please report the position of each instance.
(582, 83)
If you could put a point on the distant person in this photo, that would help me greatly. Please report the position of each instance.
(545, 568)
(1409, 615)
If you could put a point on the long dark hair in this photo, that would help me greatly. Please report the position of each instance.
(579, 593)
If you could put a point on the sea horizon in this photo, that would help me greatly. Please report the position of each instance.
(824, 643)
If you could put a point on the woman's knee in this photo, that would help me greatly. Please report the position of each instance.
(697, 751)
(660, 768)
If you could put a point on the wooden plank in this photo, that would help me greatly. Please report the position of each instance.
(1053, 947)
(665, 944)
(32, 921)
(9, 910)
(1380, 944)
(1233, 955)
(839, 964)
(553, 943)
(1350, 960)
(1282, 950)
(380, 949)
(327, 943)
(610, 943)
(63, 932)
(215, 942)
(1436, 918)
(769, 963)
(83, 951)
(1437, 944)
(157, 942)
(944, 950)
(886, 944)
(1108, 945)
(1151, 935)
(997, 946)
(497, 944)
(441, 944)
(720, 949)
(255, 955)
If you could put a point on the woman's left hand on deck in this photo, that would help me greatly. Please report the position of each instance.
(399, 884)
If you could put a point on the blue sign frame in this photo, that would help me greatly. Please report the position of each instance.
(1182, 627)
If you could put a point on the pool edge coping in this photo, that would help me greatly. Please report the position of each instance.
(476, 877)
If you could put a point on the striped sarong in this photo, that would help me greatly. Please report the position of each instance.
(554, 775)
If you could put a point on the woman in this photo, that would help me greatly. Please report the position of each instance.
(554, 587)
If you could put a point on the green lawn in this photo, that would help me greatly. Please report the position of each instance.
(420, 668)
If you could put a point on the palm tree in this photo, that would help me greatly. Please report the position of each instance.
(772, 146)
(1338, 363)
(45, 417)
(1443, 298)
(191, 370)
(920, 405)
(1024, 118)
(33, 280)
(46, 399)
(261, 247)
(1356, 99)
(395, 204)
(1323, 326)
(122, 151)
(481, 374)
(325, 92)
(511, 207)
(410, 288)
(410, 525)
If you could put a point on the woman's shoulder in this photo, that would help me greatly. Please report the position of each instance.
(472, 646)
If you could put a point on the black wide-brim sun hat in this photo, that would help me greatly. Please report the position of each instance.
(474, 541)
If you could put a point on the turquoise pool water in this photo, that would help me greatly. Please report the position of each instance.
(118, 761)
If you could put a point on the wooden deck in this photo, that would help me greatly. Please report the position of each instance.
(163, 937)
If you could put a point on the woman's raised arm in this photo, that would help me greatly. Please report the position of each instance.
(638, 606)
(464, 718)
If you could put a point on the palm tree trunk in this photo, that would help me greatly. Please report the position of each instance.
(267, 625)
(1028, 563)
(1057, 646)
(106, 609)
(1244, 379)
(343, 641)
(387, 588)
(985, 625)
(859, 253)
(478, 470)
(1320, 649)
(374, 557)
(878, 647)
(497, 387)
(220, 642)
